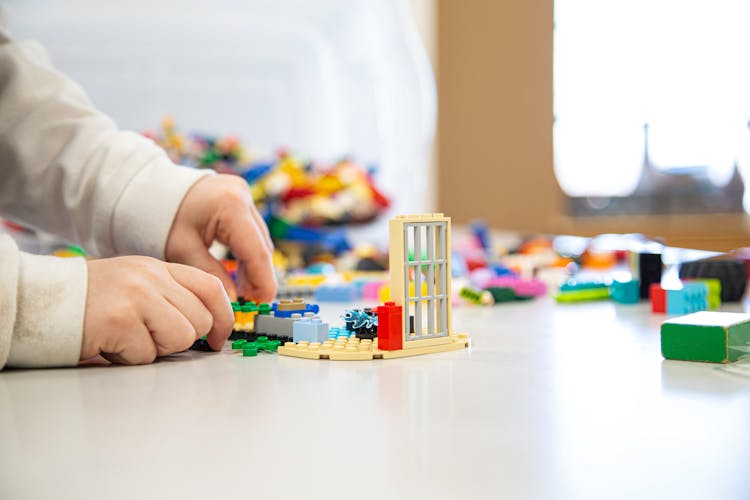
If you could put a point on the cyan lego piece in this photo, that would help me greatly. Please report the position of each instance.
(714, 291)
(626, 292)
(345, 292)
(692, 297)
(336, 332)
(310, 330)
(574, 285)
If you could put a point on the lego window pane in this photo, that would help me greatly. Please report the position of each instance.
(426, 279)
(651, 105)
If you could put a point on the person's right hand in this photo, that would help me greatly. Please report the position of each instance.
(138, 308)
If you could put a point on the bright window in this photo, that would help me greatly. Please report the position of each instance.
(652, 97)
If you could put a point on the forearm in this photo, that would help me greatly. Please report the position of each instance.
(67, 169)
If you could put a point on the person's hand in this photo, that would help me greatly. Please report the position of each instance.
(138, 308)
(220, 208)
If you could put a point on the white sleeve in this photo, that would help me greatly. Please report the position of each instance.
(67, 169)
(42, 300)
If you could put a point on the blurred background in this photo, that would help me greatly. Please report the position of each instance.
(569, 116)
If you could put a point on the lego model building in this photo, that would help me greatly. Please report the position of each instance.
(418, 318)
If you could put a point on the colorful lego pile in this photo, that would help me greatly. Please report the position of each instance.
(291, 192)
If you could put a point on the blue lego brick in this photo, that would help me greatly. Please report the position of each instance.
(336, 293)
(626, 292)
(692, 297)
(310, 329)
(309, 308)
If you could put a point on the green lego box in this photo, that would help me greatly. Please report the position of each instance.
(713, 337)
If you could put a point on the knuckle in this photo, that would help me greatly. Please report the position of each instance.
(214, 284)
(121, 317)
(184, 341)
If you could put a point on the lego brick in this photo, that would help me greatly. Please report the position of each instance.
(583, 295)
(270, 324)
(574, 285)
(522, 288)
(354, 349)
(252, 348)
(345, 292)
(390, 329)
(477, 297)
(287, 307)
(310, 330)
(713, 337)
(713, 286)
(362, 322)
(503, 294)
(371, 290)
(626, 292)
(692, 297)
(658, 298)
(649, 271)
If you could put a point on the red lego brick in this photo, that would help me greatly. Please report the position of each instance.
(658, 298)
(390, 327)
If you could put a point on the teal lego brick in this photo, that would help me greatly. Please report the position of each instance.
(712, 337)
(626, 292)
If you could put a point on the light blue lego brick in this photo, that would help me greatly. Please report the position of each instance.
(336, 293)
(626, 292)
(692, 297)
(310, 330)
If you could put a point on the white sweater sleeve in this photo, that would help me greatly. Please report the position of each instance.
(66, 168)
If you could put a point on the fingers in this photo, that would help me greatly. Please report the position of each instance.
(209, 290)
(170, 329)
(138, 308)
(247, 240)
(263, 227)
(133, 347)
(200, 257)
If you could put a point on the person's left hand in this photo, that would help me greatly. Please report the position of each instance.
(220, 208)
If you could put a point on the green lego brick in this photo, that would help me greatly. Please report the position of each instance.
(503, 294)
(712, 337)
(264, 308)
(238, 344)
(583, 295)
(253, 348)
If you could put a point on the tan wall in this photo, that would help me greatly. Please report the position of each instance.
(495, 130)
(495, 112)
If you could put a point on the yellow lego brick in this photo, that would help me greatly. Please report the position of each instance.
(365, 275)
(414, 344)
(305, 279)
(354, 349)
(457, 342)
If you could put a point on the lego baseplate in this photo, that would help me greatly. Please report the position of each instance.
(354, 349)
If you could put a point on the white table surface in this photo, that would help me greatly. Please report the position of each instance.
(570, 401)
